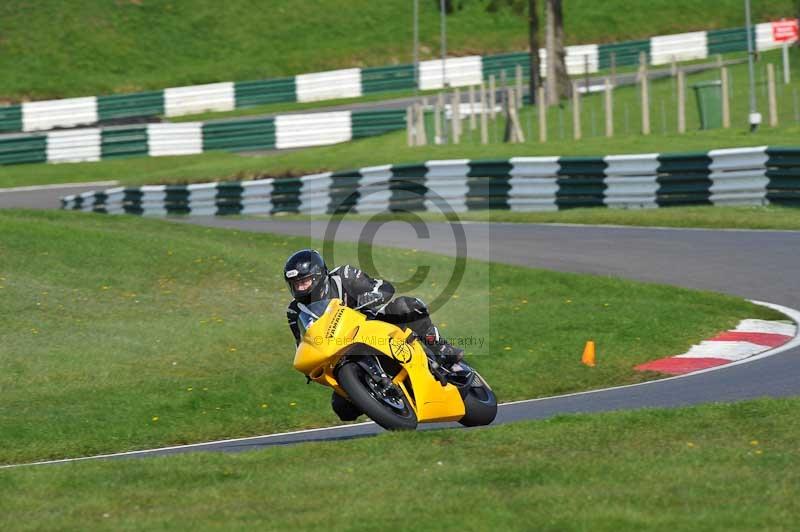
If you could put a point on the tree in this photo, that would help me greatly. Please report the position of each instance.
(558, 82)
(518, 8)
(533, 46)
(449, 6)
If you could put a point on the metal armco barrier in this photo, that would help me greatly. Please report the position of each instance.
(741, 176)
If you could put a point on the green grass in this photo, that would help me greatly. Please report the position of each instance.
(771, 217)
(713, 467)
(112, 322)
(664, 106)
(134, 45)
(386, 149)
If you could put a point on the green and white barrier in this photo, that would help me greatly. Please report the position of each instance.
(355, 82)
(188, 138)
(740, 176)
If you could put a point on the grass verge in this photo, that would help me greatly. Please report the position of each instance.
(717, 217)
(713, 467)
(123, 333)
(385, 149)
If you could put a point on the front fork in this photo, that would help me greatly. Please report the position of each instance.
(375, 371)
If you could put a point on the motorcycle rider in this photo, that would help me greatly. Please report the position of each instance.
(309, 280)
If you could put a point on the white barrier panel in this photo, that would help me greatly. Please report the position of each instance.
(203, 199)
(88, 202)
(315, 193)
(69, 201)
(153, 197)
(738, 176)
(175, 139)
(114, 198)
(199, 98)
(447, 180)
(580, 57)
(257, 196)
(681, 46)
(631, 180)
(318, 129)
(328, 85)
(458, 72)
(48, 114)
(374, 189)
(533, 183)
(72, 146)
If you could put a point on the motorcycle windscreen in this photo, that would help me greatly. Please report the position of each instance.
(317, 346)
(311, 313)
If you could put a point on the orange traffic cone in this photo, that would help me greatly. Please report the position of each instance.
(588, 354)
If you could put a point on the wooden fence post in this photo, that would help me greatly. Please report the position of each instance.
(576, 112)
(644, 93)
(492, 97)
(472, 122)
(422, 135)
(455, 114)
(484, 125)
(773, 102)
(518, 74)
(437, 119)
(681, 101)
(513, 131)
(409, 126)
(614, 68)
(609, 109)
(726, 104)
(786, 68)
(541, 106)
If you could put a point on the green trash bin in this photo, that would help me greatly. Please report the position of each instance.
(709, 103)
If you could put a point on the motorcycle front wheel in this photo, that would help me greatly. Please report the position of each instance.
(391, 413)
(480, 404)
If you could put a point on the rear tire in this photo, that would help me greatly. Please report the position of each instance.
(480, 405)
(352, 377)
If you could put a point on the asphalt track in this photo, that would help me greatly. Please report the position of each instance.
(761, 265)
(45, 196)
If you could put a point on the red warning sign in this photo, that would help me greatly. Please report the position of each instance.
(785, 30)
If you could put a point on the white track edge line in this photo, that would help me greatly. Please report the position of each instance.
(793, 314)
(56, 187)
(187, 446)
(640, 227)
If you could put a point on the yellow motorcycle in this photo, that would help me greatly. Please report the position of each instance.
(386, 371)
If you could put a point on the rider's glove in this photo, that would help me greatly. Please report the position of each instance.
(369, 298)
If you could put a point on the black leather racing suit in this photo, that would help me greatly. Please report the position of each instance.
(354, 287)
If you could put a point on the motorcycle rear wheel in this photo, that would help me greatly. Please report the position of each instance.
(353, 378)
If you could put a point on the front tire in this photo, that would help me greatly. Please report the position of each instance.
(353, 378)
(480, 405)
(343, 408)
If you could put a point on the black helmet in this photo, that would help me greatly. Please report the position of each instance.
(307, 276)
